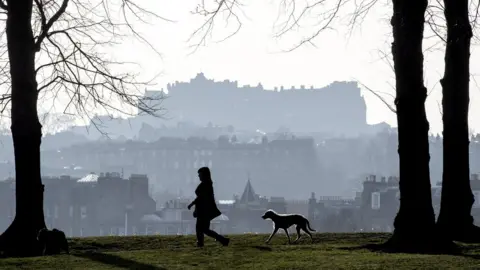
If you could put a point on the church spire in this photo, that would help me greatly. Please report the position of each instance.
(249, 194)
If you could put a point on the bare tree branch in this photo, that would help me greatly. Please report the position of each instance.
(325, 13)
(226, 7)
(376, 93)
(440, 108)
(436, 22)
(47, 25)
(72, 38)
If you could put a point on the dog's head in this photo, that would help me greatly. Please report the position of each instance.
(42, 234)
(269, 214)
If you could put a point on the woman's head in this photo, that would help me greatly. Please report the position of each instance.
(204, 174)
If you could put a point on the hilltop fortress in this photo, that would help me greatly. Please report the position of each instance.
(337, 109)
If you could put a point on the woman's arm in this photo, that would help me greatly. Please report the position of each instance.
(192, 204)
(202, 192)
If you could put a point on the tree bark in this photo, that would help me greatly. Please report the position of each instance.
(20, 237)
(455, 220)
(415, 220)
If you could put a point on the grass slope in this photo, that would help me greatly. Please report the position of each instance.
(328, 251)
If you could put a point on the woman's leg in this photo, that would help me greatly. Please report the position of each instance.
(214, 234)
(200, 228)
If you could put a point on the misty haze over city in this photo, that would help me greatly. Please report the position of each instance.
(306, 150)
(122, 134)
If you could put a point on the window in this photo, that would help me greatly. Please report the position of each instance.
(83, 212)
(376, 200)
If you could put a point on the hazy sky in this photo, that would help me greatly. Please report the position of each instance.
(254, 56)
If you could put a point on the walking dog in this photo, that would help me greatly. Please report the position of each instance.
(285, 221)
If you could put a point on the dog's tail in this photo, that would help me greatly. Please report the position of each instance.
(310, 228)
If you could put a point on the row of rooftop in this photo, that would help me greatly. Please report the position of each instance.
(89, 178)
(201, 78)
(203, 143)
(394, 180)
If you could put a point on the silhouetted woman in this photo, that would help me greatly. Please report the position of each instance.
(206, 208)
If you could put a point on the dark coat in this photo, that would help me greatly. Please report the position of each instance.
(205, 205)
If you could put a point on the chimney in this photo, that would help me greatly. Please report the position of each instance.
(383, 179)
(373, 178)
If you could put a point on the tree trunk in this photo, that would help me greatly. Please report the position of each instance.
(415, 220)
(455, 220)
(20, 238)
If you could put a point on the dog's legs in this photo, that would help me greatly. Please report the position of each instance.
(288, 235)
(271, 235)
(298, 234)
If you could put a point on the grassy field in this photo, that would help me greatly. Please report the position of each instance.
(328, 251)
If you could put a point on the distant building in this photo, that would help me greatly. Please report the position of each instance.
(247, 211)
(90, 206)
(332, 213)
(338, 108)
(287, 167)
(380, 201)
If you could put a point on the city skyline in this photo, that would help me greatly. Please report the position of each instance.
(254, 55)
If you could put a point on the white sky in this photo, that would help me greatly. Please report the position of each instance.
(251, 55)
